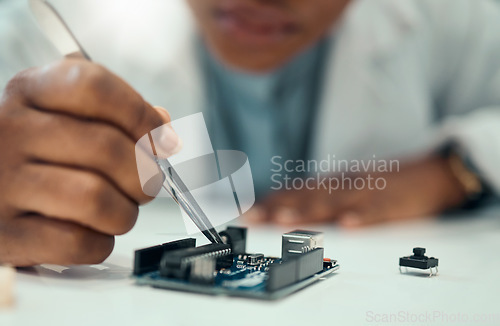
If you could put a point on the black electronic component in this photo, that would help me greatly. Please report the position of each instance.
(295, 269)
(328, 263)
(255, 259)
(236, 237)
(148, 259)
(177, 263)
(282, 275)
(213, 269)
(419, 260)
(310, 263)
(202, 270)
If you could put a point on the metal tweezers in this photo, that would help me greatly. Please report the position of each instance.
(56, 29)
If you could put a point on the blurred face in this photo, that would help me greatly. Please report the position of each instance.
(260, 35)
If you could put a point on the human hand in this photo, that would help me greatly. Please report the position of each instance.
(422, 188)
(68, 175)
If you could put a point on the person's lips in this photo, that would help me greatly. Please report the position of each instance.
(254, 24)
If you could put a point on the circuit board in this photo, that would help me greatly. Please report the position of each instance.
(242, 275)
(240, 280)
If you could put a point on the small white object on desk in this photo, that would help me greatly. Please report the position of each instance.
(7, 278)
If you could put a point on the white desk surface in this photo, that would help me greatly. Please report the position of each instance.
(367, 288)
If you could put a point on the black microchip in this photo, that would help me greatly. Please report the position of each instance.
(255, 259)
(236, 237)
(176, 264)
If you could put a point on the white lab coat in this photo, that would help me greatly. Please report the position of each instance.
(404, 76)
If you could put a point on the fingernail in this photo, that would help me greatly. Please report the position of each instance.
(169, 143)
(287, 216)
(177, 148)
(350, 220)
(163, 112)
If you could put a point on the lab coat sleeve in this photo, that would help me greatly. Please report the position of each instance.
(471, 98)
(22, 44)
